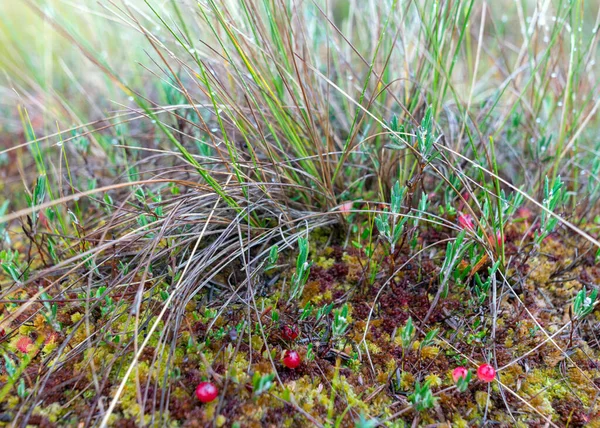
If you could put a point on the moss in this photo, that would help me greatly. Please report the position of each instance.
(325, 263)
(434, 380)
(209, 410)
(553, 357)
(257, 343)
(594, 423)
(509, 341)
(53, 412)
(354, 267)
(407, 381)
(373, 348)
(50, 345)
(398, 341)
(129, 405)
(458, 421)
(482, 400)
(312, 293)
(511, 374)
(429, 352)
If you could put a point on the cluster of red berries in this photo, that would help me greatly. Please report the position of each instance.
(207, 391)
(485, 373)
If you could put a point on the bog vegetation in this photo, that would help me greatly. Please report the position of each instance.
(295, 213)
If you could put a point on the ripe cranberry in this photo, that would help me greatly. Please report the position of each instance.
(486, 373)
(206, 392)
(459, 372)
(291, 359)
(465, 221)
(289, 332)
(24, 344)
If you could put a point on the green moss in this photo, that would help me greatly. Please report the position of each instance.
(325, 263)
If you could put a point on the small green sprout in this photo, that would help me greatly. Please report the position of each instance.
(262, 383)
(454, 251)
(310, 353)
(51, 313)
(423, 205)
(388, 223)
(273, 257)
(306, 312)
(429, 338)
(482, 288)
(9, 261)
(422, 399)
(324, 311)
(340, 322)
(39, 193)
(108, 305)
(426, 136)
(363, 422)
(21, 389)
(407, 333)
(584, 304)
(303, 266)
(10, 367)
(552, 197)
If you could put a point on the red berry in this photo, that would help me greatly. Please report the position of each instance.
(486, 373)
(206, 392)
(459, 372)
(289, 332)
(291, 359)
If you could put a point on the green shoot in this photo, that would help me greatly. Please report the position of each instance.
(553, 196)
(391, 225)
(303, 266)
(583, 304)
(422, 399)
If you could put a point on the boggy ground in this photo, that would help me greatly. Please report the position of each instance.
(548, 367)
